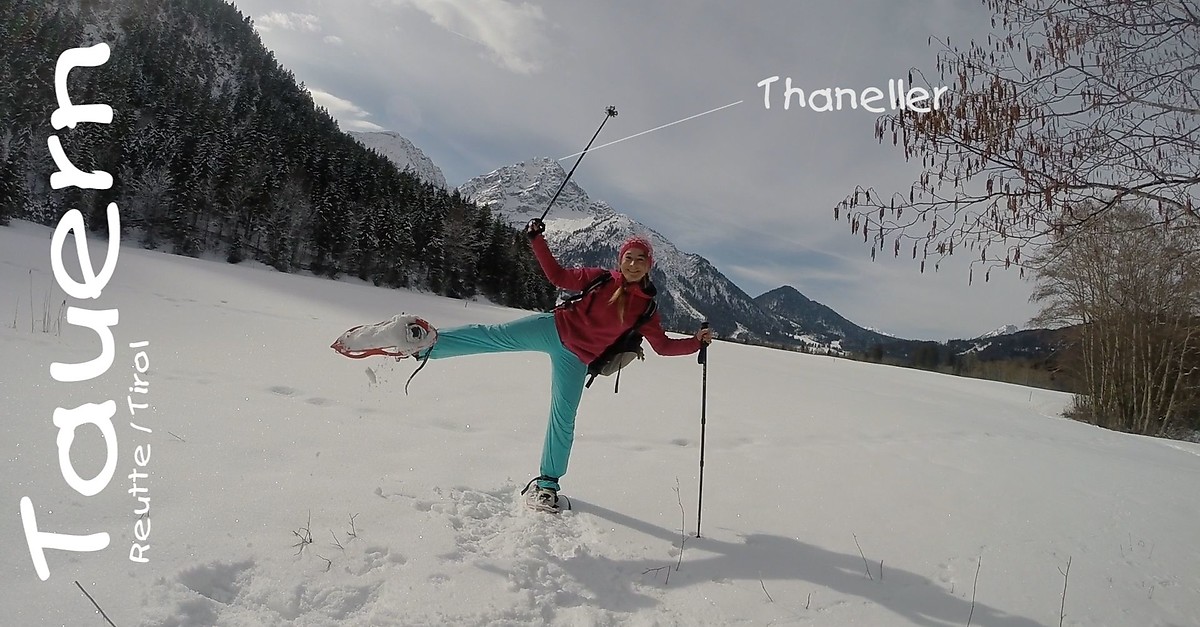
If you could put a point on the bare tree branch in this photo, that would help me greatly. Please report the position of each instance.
(1066, 103)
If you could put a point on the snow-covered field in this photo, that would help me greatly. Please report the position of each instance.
(965, 500)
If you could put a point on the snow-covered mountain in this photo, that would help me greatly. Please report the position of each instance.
(583, 231)
(1015, 343)
(813, 322)
(403, 153)
(586, 231)
(1007, 329)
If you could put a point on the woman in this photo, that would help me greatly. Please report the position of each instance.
(573, 336)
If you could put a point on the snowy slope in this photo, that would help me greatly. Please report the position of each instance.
(403, 153)
(817, 470)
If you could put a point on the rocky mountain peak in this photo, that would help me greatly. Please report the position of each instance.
(523, 190)
(403, 153)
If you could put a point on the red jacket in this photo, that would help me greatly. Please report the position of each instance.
(591, 325)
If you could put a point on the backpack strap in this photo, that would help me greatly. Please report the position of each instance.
(646, 315)
(600, 279)
(651, 308)
(642, 319)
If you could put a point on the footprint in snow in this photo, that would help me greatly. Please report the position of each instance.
(282, 390)
(221, 582)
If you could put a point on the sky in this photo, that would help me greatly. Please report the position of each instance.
(237, 432)
(480, 84)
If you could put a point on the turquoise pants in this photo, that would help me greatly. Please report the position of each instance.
(533, 333)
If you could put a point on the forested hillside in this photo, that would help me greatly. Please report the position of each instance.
(216, 149)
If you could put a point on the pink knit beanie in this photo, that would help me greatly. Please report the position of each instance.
(639, 242)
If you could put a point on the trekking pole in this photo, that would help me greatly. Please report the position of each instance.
(610, 112)
(702, 359)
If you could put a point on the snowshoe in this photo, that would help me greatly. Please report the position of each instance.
(402, 336)
(542, 499)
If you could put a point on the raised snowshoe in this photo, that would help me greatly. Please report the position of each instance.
(404, 335)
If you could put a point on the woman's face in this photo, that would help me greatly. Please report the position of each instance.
(634, 265)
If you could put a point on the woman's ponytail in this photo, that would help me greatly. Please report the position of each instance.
(619, 298)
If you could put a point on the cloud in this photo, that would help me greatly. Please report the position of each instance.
(350, 115)
(301, 22)
(333, 40)
(511, 32)
(362, 125)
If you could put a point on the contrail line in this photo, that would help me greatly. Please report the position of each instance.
(617, 141)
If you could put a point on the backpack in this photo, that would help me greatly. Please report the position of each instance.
(626, 348)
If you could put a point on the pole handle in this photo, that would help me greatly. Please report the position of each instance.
(702, 358)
